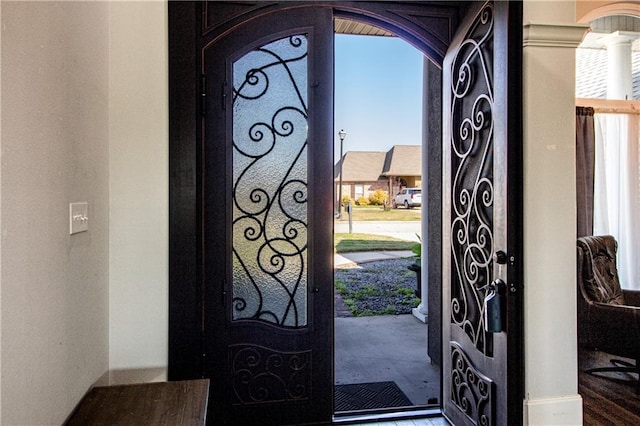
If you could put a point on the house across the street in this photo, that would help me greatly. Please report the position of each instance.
(364, 172)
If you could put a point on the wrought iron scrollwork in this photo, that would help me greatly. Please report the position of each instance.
(471, 391)
(262, 375)
(472, 179)
(270, 183)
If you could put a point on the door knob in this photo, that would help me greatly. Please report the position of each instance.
(500, 257)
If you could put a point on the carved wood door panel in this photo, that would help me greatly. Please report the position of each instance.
(481, 303)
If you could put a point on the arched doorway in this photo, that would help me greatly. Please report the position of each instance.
(271, 364)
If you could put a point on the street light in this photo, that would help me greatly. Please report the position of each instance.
(342, 135)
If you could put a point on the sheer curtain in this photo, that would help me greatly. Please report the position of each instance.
(617, 189)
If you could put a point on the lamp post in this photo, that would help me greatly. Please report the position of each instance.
(342, 135)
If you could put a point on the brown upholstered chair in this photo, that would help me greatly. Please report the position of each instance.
(608, 317)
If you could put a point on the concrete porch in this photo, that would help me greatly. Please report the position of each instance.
(386, 348)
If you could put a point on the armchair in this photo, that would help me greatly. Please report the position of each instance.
(608, 317)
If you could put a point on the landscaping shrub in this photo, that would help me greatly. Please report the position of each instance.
(378, 198)
(362, 201)
(345, 199)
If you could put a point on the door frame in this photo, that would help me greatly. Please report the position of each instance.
(427, 26)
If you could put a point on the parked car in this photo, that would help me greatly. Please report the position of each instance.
(408, 197)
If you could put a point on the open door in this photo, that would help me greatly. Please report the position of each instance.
(251, 210)
(267, 120)
(481, 279)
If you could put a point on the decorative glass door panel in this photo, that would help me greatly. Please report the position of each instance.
(482, 309)
(270, 132)
(472, 186)
(267, 214)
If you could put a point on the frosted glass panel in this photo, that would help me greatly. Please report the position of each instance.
(270, 183)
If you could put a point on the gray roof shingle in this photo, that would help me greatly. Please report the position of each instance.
(368, 166)
(361, 166)
(403, 160)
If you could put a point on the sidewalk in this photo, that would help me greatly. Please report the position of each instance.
(406, 230)
(351, 260)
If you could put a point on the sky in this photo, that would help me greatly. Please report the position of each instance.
(378, 93)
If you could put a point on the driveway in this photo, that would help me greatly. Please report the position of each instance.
(404, 230)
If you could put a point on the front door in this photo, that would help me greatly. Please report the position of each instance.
(267, 216)
(481, 290)
(251, 278)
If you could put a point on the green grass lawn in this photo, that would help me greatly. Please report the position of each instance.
(349, 243)
(367, 213)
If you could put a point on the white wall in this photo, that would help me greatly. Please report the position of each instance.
(84, 118)
(55, 147)
(138, 255)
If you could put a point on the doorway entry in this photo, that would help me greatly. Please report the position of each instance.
(381, 362)
(269, 356)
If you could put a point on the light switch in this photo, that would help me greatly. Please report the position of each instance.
(78, 217)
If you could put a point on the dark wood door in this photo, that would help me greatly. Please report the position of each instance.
(481, 284)
(270, 357)
(267, 216)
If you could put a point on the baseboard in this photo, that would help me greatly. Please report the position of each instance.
(137, 375)
(132, 376)
(565, 411)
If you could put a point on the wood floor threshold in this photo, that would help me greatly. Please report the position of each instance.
(413, 414)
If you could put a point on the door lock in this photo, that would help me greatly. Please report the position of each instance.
(494, 307)
(500, 257)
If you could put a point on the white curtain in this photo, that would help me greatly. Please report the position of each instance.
(617, 190)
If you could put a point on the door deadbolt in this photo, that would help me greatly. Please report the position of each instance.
(500, 257)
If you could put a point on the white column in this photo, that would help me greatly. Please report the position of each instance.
(549, 235)
(619, 77)
(422, 311)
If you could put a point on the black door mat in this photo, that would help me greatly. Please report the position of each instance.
(369, 396)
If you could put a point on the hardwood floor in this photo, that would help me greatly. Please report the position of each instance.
(609, 400)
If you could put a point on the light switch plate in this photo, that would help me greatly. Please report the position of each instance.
(78, 217)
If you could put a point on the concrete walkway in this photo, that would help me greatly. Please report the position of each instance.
(351, 260)
(407, 231)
